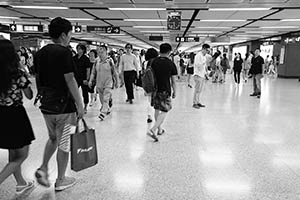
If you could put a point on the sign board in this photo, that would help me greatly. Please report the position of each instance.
(96, 29)
(187, 39)
(77, 29)
(156, 38)
(219, 39)
(174, 20)
(281, 58)
(32, 28)
(13, 27)
(4, 28)
(112, 30)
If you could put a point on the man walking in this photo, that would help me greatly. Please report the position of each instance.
(130, 70)
(55, 70)
(200, 70)
(257, 66)
(165, 73)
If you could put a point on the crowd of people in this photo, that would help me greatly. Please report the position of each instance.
(60, 72)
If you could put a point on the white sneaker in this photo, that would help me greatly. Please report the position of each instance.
(24, 188)
(65, 183)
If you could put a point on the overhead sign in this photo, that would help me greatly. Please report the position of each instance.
(113, 29)
(32, 28)
(174, 20)
(103, 29)
(219, 39)
(13, 27)
(187, 39)
(4, 28)
(156, 38)
(77, 29)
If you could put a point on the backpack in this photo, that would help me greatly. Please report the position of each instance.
(148, 79)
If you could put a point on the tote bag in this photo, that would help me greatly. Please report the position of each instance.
(83, 148)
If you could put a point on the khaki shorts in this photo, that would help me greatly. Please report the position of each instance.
(60, 127)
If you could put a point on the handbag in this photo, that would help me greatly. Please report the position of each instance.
(83, 148)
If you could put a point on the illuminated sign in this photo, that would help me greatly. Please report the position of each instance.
(32, 28)
(187, 39)
(103, 29)
(77, 29)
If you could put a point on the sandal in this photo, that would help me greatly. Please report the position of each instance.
(161, 132)
(152, 135)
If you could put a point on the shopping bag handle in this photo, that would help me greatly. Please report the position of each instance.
(84, 125)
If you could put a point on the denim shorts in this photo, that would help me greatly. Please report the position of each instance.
(161, 101)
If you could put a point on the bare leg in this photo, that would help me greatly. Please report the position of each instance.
(48, 153)
(16, 158)
(62, 162)
(160, 117)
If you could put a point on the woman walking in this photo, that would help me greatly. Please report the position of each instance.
(237, 68)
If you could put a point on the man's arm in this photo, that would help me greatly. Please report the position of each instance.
(73, 88)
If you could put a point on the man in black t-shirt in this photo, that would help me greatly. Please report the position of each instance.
(257, 65)
(55, 70)
(165, 73)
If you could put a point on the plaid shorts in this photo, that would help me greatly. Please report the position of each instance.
(161, 101)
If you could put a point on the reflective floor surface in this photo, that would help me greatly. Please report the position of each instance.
(237, 148)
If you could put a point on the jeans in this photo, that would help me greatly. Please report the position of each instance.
(199, 85)
(129, 78)
(257, 83)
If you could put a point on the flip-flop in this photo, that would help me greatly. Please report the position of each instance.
(152, 135)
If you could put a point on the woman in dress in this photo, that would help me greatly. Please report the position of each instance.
(13, 116)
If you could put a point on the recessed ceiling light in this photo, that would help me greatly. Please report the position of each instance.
(41, 7)
(145, 20)
(237, 9)
(79, 19)
(136, 9)
(211, 27)
(223, 20)
(206, 32)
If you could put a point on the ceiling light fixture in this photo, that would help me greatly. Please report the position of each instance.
(79, 19)
(237, 9)
(290, 20)
(211, 27)
(42, 7)
(148, 27)
(276, 27)
(203, 32)
(136, 9)
(223, 20)
(7, 17)
(154, 31)
(145, 20)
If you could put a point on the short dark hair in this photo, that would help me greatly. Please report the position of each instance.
(104, 46)
(58, 26)
(165, 48)
(81, 46)
(205, 46)
(95, 52)
(128, 44)
(151, 53)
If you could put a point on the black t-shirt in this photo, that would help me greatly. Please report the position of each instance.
(82, 64)
(256, 65)
(237, 64)
(163, 69)
(51, 63)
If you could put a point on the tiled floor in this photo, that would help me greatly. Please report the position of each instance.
(237, 148)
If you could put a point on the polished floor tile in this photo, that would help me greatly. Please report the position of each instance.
(236, 148)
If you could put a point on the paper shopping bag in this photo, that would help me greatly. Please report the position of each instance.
(83, 148)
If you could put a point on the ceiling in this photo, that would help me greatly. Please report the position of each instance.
(242, 21)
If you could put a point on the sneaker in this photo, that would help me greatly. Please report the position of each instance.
(149, 120)
(253, 94)
(21, 189)
(201, 105)
(258, 96)
(42, 177)
(130, 101)
(62, 184)
(161, 132)
(196, 106)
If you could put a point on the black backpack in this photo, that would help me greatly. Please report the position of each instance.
(148, 79)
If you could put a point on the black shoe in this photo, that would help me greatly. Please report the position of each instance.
(130, 101)
(258, 96)
(127, 100)
(190, 86)
(201, 105)
(149, 120)
(161, 132)
(253, 94)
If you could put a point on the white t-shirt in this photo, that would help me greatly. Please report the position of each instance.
(129, 62)
(200, 65)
